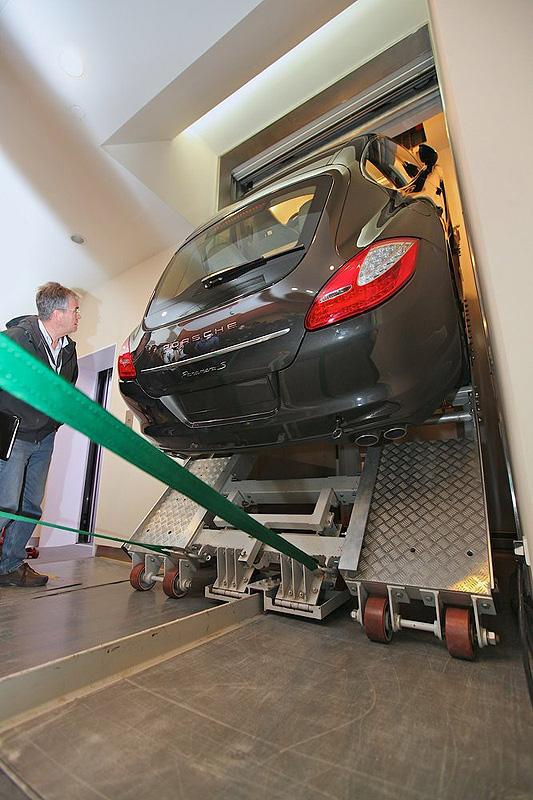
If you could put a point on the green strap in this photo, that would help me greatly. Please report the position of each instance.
(159, 548)
(30, 380)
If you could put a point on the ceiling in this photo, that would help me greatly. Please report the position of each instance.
(125, 154)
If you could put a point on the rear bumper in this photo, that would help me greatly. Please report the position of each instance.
(325, 393)
(339, 419)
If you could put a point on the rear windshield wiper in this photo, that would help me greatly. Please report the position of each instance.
(230, 273)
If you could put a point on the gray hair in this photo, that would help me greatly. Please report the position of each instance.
(51, 296)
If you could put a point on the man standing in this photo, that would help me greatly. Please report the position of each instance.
(23, 475)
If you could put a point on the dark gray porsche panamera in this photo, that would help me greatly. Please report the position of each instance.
(322, 305)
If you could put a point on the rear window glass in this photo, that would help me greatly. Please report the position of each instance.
(273, 231)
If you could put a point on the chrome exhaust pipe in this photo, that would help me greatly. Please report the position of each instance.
(395, 433)
(367, 439)
(460, 416)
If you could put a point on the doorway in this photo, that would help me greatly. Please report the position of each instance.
(72, 491)
(92, 472)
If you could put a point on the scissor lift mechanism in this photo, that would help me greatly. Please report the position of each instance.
(406, 536)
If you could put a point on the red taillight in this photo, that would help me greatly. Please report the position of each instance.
(126, 367)
(372, 276)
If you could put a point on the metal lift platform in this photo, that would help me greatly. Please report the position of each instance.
(403, 532)
(425, 542)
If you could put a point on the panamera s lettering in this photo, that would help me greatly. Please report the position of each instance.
(194, 373)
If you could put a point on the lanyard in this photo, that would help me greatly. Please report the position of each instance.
(56, 365)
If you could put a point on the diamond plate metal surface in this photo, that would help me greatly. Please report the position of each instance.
(427, 525)
(175, 517)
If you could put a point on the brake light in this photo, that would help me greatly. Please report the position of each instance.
(372, 276)
(126, 367)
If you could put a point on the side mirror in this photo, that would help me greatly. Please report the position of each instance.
(427, 156)
(390, 165)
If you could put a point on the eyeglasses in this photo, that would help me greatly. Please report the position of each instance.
(71, 311)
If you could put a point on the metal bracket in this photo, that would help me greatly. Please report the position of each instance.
(268, 586)
(249, 556)
(233, 574)
(483, 605)
(187, 570)
(298, 584)
(319, 611)
(397, 594)
(521, 551)
(299, 590)
(430, 597)
(362, 594)
(152, 565)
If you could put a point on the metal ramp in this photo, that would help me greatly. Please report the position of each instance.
(404, 533)
(244, 564)
(425, 541)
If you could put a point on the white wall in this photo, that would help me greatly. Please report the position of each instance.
(109, 314)
(63, 498)
(183, 172)
(485, 63)
(56, 183)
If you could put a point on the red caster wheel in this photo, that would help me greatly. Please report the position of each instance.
(137, 579)
(459, 632)
(171, 585)
(32, 552)
(377, 619)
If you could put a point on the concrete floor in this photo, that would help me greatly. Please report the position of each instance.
(86, 602)
(66, 552)
(282, 708)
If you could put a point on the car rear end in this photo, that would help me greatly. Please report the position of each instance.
(277, 323)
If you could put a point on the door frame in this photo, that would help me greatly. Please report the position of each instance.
(66, 480)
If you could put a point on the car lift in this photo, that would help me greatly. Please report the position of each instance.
(406, 535)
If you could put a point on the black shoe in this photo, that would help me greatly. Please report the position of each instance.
(23, 576)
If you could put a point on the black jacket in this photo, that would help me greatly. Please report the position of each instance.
(34, 425)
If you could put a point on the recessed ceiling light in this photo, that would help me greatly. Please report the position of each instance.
(77, 239)
(71, 62)
(77, 111)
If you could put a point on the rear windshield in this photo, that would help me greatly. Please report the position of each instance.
(273, 230)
